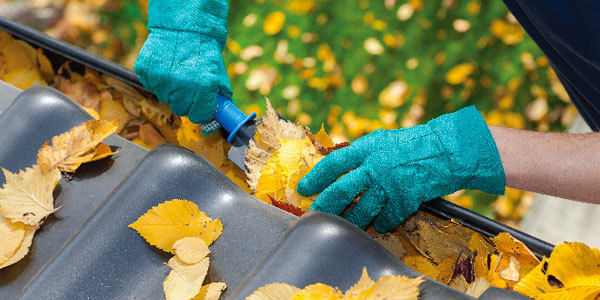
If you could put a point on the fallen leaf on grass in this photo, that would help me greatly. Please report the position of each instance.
(170, 221)
(27, 196)
(77, 146)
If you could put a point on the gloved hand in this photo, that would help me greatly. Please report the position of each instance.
(182, 60)
(401, 168)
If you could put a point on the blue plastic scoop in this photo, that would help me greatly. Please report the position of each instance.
(240, 126)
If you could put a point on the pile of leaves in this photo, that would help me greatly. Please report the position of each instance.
(179, 227)
(26, 197)
(387, 287)
(446, 251)
(143, 120)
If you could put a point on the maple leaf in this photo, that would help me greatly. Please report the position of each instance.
(184, 281)
(27, 196)
(191, 250)
(173, 220)
(76, 146)
(571, 272)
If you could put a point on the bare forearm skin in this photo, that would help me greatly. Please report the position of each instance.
(558, 164)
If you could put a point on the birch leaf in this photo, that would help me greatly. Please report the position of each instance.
(23, 247)
(27, 196)
(77, 146)
(173, 220)
(184, 281)
(12, 235)
(571, 272)
(274, 291)
(191, 250)
(211, 291)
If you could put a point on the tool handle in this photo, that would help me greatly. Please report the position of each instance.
(231, 117)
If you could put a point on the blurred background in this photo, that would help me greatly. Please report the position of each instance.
(354, 66)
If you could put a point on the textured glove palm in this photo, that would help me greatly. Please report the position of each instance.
(399, 169)
(182, 60)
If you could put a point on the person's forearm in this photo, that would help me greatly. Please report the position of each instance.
(559, 164)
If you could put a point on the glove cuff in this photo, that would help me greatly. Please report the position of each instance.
(208, 17)
(471, 149)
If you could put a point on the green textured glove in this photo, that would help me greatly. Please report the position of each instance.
(398, 169)
(182, 58)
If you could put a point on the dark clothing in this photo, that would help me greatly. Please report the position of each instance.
(568, 31)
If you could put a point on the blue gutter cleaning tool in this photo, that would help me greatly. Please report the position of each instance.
(231, 117)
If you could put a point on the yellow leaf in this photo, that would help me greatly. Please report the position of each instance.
(274, 291)
(397, 287)
(113, 110)
(267, 141)
(459, 73)
(184, 281)
(23, 247)
(446, 270)
(317, 291)
(479, 249)
(191, 250)
(493, 277)
(77, 146)
(459, 282)
(422, 265)
(45, 66)
(141, 143)
(212, 148)
(365, 282)
(12, 235)
(173, 220)
(92, 112)
(211, 291)
(27, 196)
(477, 287)
(102, 150)
(323, 138)
(571, 272)
(516, 260)
(273, 23)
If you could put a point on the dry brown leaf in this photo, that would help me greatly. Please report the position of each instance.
(274, 291)
(150, 136)
(184, 281)
(392, 244)
(27, 196)
(77, 146)
(436, 240)
(191, 250)
(173, 220)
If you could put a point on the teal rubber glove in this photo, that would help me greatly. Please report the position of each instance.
(399, 169)
(182, 58)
